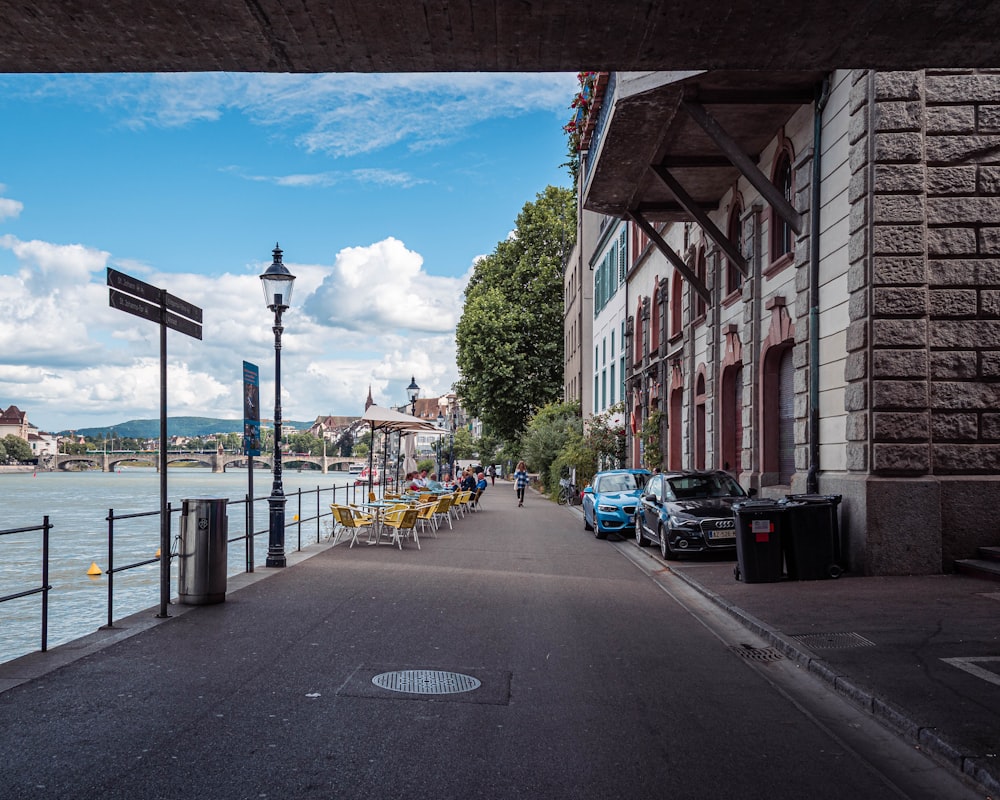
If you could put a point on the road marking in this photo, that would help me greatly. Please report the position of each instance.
(969, 665)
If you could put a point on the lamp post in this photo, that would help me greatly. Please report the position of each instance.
(414, 392)
(277, 282)
(440, 424)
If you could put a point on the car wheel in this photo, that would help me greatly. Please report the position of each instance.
(586, 523)
(640, 537)
(665, 549)
(597, 530)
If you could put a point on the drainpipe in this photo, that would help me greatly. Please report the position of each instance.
(812, 477)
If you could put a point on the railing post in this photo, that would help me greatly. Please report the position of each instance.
(111, 564)
(45, 583)
(248, 530)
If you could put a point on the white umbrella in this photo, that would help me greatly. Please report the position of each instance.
(385, 419)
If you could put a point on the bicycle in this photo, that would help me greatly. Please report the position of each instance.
(567, 492)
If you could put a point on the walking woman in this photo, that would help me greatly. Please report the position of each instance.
(520, 481)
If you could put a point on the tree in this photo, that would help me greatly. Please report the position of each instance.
(510, 336)
(548, 434)
(17, 448)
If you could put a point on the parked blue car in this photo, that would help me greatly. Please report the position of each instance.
(609, 503)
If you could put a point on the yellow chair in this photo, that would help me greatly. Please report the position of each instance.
(371, 497)
(425, 515)
(443, 509)
(402, 521)
(461, 503)
(350, 522)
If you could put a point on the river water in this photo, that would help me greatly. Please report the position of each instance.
(77, 504)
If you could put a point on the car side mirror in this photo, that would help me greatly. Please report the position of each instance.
(588, 489)
(752, 491)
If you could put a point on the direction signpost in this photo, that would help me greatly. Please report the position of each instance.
(157, 305)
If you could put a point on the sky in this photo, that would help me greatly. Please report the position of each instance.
(381, 190)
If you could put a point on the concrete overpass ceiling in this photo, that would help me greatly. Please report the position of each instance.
(491, 35)
(651, 129)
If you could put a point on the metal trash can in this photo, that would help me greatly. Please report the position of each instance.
(811, 537)
(759, 556)
(201, 576)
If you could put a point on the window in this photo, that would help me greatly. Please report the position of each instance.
(654, 322)
(734, 232)
(732, 419)
(782, 235)
(675, 439)
(700, 426)
(700, 271)
(676, 288)
(612, 383)
(778, 413)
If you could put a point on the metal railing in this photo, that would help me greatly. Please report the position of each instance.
(45, 527)
(350, 492)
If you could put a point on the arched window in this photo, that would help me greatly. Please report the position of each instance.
(779, 415)
(638, 350)
(731, 422)
(782, 235)
(700, 424)
(701, 271)
(654, 319)
(734, 232)
(676, 290)
(674, 421)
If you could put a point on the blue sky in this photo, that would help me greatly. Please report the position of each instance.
(382, 190)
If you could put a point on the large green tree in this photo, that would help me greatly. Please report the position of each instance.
(510, 336)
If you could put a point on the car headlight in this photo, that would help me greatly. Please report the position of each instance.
(607, 509)
(681, 521)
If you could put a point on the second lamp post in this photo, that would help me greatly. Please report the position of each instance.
(277, 281)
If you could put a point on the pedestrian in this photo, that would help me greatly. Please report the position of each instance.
(492, 471)
(520, 481)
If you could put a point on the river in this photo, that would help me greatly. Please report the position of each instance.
(77, 504)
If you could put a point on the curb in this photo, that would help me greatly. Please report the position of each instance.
(897, 720)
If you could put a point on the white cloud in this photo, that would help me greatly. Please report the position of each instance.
(373, 318)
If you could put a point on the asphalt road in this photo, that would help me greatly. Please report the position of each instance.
(600, 678)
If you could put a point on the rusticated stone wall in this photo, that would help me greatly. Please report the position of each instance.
(924, 345)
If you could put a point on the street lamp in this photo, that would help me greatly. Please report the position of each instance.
(277, 282)
(414, 392)
(440, 424)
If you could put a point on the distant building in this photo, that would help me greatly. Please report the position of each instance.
(14, 422)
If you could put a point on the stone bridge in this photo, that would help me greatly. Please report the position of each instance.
(217, 462)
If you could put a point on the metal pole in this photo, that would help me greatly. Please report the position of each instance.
(276, 502)
(164, 514)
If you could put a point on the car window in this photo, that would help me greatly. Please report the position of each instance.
(621, 482)
(690, 487)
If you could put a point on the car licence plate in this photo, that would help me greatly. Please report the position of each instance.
(722, 533)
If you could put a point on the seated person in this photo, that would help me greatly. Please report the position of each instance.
(433, 484)
(468, 481)
(480, 487)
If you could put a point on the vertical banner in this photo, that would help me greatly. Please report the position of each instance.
(251, 409)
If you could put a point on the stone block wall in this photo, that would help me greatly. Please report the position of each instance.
(924, 345)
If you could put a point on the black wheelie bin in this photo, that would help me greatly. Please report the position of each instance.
(811, 536)
(759, 557)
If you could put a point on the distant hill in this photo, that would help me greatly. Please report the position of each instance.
(176, 426)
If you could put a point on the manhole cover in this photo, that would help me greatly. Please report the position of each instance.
(821, 641)
(426, 681)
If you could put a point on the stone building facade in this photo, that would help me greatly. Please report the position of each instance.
(813, 291)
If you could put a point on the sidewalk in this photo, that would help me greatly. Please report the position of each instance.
(921, 654)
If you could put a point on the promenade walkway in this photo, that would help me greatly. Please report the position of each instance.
(270, 694)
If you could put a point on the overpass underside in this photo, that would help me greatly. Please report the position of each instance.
(491, 35)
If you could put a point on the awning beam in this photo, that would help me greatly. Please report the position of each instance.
(744, 164)
(671, 254)
(710, 228)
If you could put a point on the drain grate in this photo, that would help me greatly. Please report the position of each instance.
(831, 641)
(426, 681)
(756, 653)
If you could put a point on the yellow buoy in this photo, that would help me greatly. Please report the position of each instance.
(157, 552)
(94, 569)
(295, 518)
